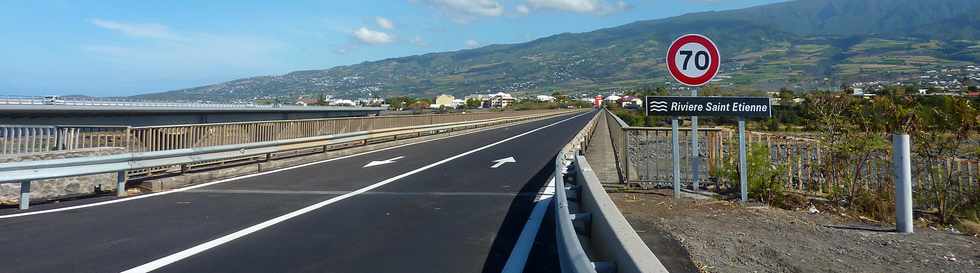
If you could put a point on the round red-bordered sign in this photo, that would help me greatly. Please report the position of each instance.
(693, 60)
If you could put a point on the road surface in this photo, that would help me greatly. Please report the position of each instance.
(436, 206)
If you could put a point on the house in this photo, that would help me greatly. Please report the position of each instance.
(501, 100)
(444, 101)
(544, 98)
(307, 101)
(341, 102)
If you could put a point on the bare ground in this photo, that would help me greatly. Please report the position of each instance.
(721, 236)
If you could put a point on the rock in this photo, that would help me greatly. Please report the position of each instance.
(813, 210)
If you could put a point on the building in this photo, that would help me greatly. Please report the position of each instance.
(501, 100)
(307, 101)
(446, 101)
(545, 98)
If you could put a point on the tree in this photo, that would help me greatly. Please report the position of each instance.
(419, 104)
(473, 103)
(944, 126)
(398, 103)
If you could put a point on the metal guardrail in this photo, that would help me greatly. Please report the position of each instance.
(584, 212)
(121, 102)
(25, 172)
(158, 138)
(23, 140)
(571, 253)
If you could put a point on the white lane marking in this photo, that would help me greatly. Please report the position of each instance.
(172, 258)
(96, 204)
(431, 193)
(382, 162)
(502, 161)
(518, 256)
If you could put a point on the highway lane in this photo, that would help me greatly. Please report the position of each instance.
(461, 212)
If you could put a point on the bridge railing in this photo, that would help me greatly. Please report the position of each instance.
(28, 139)
(169, 137)
(644, 156)
(584, 212)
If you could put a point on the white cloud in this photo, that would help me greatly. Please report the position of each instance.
(419, 42)
(523, 9)
(600, 7)
(209, 52)
(471, 43)
(373, 37)
(464, 11)
(384, 22)
(155, 31)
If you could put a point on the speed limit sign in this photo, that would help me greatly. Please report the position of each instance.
(693, 59)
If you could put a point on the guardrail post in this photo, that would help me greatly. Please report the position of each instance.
(582, 222)
(121, 184)
(25, 194)
(901, 160)
(604, 267)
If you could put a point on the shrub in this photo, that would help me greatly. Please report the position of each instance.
(764, 181)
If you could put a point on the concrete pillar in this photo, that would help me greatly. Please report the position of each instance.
(902, 162)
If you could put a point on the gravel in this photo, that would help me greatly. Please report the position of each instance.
(721, 236)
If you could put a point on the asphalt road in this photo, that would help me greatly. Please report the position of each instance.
(438, 207)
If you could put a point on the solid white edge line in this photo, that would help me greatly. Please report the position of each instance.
(172, 258)
(525, 242)
(96, 204)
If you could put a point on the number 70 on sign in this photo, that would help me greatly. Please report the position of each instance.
(693, 60)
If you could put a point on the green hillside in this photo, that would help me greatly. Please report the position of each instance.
(798, 44)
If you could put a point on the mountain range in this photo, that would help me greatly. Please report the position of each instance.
(802, 44)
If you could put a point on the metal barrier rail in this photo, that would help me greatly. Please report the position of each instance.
(571, 253)
(25, 172)
(35, 100)
(23, 140)
(168, 137)
(585, 212)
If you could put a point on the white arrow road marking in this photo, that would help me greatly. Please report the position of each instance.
(382, 162)
(503, 161)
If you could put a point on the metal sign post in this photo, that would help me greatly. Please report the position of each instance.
(695, 153)
(676, 155)
(693, 60)
(742, 167)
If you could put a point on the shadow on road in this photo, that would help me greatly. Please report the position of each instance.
(542, 257)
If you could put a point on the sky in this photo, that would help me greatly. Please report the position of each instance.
(121, 48)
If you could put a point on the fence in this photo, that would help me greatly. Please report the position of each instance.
(19, 140)
(169, 137)
(125, 102)
(643, 156)
(16, 139)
